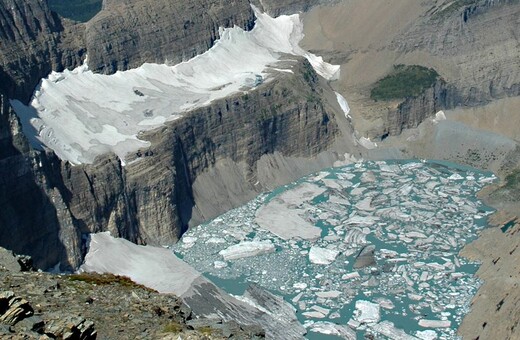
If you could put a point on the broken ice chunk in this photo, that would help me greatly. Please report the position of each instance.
(247, 249)
(367, 312)
(349, 276)
(313, 315)
(319, 255)
(427, 335)
(219, 264)
(328, 295)
(330, 328)
(389, 330)
(434, 323)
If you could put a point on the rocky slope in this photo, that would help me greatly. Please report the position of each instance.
(473, 45)
(37, 305)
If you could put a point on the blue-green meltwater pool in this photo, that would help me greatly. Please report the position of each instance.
(408, 219)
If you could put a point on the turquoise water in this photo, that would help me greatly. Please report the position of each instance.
(418, 215)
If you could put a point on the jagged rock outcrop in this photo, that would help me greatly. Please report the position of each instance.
(13, 308)
(36, 305)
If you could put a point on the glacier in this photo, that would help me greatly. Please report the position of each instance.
(80, 114)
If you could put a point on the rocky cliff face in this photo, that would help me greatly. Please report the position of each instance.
(47, 205)
(126, 34)
(151, 200)
(34, 42)
(481, 39)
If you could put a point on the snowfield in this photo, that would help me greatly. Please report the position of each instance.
(81, 115)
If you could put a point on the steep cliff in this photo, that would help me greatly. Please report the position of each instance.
(153, 200)
(126, 34)
(34, 42)
(481, 38)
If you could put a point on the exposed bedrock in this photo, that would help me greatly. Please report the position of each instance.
(211, 160)
(34, 42)
(126, 34)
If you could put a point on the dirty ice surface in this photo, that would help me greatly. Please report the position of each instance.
(385, 261)
(81, 115)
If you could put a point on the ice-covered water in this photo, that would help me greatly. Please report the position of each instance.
(416, 215)
(81, 115)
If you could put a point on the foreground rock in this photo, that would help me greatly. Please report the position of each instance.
(159, 269)
(88, 306)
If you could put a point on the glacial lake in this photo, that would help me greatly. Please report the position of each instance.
(302, 241)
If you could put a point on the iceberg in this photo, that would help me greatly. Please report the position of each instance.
(367, 312)
(325, 256)
(247, 249)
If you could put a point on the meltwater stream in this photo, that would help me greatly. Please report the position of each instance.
(408, 219)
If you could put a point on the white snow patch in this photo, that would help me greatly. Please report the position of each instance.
(343, 104)
(367, 143)
(247, 249)
(153, 267)
(80, 114)
(439, 116)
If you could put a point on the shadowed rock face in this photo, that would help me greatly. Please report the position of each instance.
(34, 42)
(126, 34)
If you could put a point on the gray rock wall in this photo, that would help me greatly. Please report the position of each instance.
(151, 200)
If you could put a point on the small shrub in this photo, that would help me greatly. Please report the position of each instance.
(106, 279)
(173, 327)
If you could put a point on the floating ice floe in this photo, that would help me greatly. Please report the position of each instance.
(367, 312)
(427, 335)
(434, 323)
(319, 255)
(330, 328)
(389, 330)
(247, 249)
(80, 114)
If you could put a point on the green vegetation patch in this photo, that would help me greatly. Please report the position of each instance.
(404, 81)
(513, 180)
(78, 10)
(106, 279)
